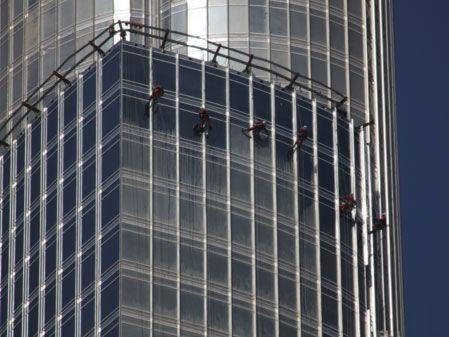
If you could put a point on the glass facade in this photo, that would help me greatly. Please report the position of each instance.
(114, 223)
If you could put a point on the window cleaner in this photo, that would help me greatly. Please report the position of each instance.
(347, 203)
(204, 126)
(302, 137)
(156, 94)
(379, 223)
(257, 129)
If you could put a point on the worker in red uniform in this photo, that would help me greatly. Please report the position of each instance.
(257, 129)
(301, 138)
(156, 94)
(347, 203)
(204, 125)
(379, 223)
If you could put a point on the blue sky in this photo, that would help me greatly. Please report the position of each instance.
(422, 70)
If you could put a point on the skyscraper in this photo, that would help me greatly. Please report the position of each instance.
(121, 217)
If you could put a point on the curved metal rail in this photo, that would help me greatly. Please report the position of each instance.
(124, 27)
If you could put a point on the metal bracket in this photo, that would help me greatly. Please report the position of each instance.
(122, 31)
(214, 59)
(98, 49)
(134, 24)
(4, 144)
(365, 125)
(292, 82)
(62, 78)
(164, 41)
(340, 104)
(248, 64)
(31, 107)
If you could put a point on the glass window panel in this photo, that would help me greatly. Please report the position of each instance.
(34, 228)
(278, 21)
(68, 285)
(111, 71)
(190, 78)
(87, 316)
(36, 139)
(241, 276)
(87, 269)
(111, 160)
(70, 105)
(109, 299)
(327, 219)
(241, 322)
(218, 20)
(238, 19)
(309, 303)
(164, 72)
(110, 206)
(33, 318)
(164, 254)
(217, 315)
(136, 68)
(51, 213)
(241, 229)
(330, 311)
(215, 87)
(217, 268)
(50, 303)
(110, 249)
(191, 261)
(136, 247)
(89, 89)
(69, 195)
(164, 301)
(70, 150)
(258, 21)
(326, 174)
(191, 215)
(328, 265)
(135, 293)
(264, 284)
(88, 221)
(111, 117)
(89, 132)
(191, 308)
(265, 326)
(68, 241)
(34, 273)
(298, 22)
(50, 258)
(135, 112)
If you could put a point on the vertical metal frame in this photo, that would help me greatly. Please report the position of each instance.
(337, 222)
(26, 230)
(364, 215)
(228, 202)
(317, 217)
(12, 230)
(98, 194)
(204, 198)
(2, 163)
(178, 222)
(274, 197)
(355, 249)
(252, 201)
(151, 229)
(59, 215)
(371, 265)
(296, 206)
(384, 172)
(79, 206)
(43, 216)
